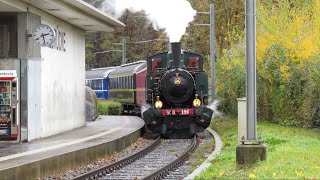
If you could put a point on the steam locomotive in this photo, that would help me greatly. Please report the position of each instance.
(169, 90)
(177, 91)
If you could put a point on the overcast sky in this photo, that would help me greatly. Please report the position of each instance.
(174, 15)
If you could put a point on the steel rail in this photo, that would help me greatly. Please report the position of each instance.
(161, 173)
(98, 173)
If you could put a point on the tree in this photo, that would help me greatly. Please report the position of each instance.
(138, 28)
(229, 25)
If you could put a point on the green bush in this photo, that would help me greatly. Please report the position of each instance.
(109, 107)
(231, 79)
(287, 89)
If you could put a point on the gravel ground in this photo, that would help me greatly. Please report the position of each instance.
(205, 148)
(135, 147)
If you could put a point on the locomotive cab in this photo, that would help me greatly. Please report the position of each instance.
(177, 91)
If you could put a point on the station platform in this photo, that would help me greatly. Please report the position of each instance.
(41, 158)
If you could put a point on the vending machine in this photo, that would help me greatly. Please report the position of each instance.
(9, 109)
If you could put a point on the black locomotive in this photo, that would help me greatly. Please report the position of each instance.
(177, 92)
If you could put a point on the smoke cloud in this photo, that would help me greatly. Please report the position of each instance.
(173, 15)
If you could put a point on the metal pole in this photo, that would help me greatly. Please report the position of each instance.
(124, 51)
(251, 69)
(212, 57)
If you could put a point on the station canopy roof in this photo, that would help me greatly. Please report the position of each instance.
(76, 12)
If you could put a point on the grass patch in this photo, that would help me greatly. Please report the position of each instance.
(292, 153)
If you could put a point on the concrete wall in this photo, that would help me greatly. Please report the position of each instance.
(34, 100)
(62, 81)
(53, 98)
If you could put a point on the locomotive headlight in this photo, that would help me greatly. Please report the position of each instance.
(196, 101)
(158, 103)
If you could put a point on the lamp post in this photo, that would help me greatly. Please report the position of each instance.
(124, 50)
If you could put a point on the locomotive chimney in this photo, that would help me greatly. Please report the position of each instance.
(176, 54)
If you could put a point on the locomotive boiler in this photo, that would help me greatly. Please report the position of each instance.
(177, 91)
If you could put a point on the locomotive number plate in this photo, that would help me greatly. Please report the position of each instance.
(173, 112)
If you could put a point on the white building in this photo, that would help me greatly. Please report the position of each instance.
(51, 79)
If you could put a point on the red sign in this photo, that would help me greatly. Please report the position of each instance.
(174, 112)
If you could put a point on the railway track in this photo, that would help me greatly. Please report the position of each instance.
(156, 161)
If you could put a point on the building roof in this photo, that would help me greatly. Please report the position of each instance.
(100, 73)
(76, 12)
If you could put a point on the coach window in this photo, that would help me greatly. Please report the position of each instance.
(113, 84)
(118, 82)
(129, 77)
(8, 35)
(127, 82)
(99, 84)
(123, 82)
(129, 87)
(90, 84)
(95, 84)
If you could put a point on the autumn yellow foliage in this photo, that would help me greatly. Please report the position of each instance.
(288, 64)
(294, 26)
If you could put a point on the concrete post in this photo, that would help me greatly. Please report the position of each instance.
(124, 51)
(251, 70)
(251, 150)
(212, 57)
